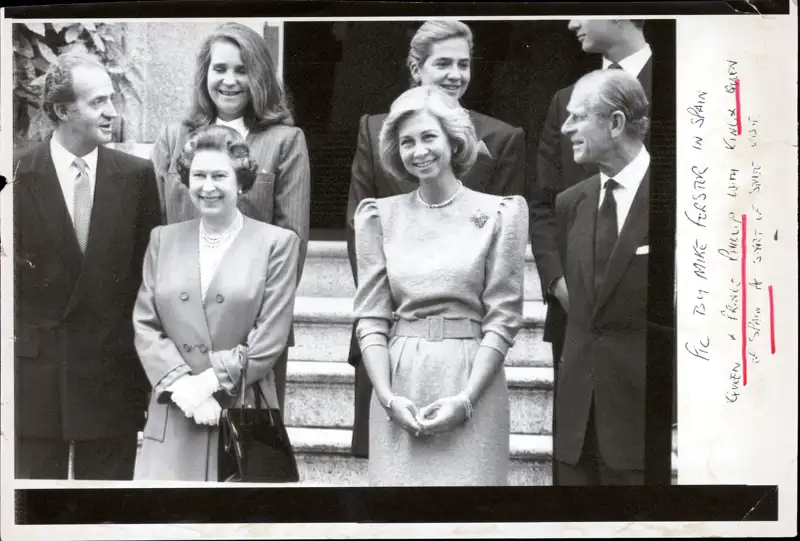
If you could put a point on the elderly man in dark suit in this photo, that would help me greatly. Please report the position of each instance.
(440, 54)
(83, 215)
(602, 237)
(622, 44)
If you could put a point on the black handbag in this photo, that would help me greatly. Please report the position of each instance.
(254, 446)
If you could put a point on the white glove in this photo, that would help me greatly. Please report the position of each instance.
(208, 412)
(190, 391)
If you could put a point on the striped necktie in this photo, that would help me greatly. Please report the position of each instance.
(82, 199)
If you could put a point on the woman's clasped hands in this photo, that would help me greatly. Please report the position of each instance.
(194, 395)
(437, 417)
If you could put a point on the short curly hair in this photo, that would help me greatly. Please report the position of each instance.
(222, 139)
(455, 122)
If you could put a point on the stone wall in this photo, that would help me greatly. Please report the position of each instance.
(165, 54)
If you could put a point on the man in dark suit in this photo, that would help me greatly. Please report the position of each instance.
(602, 238)
(83, 215)
(622, 45)
(499, 169)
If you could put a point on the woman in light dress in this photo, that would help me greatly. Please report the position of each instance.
(438, 304)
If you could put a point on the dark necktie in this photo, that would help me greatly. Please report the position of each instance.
(606, 234)
(614, 66)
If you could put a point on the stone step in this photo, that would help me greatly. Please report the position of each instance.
(323, 327)
(327, 272)
(321, 395)
(324, 459)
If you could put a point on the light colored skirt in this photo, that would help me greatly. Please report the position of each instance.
(475, 453)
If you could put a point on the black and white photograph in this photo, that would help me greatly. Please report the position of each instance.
(356, 253)
(307, 229)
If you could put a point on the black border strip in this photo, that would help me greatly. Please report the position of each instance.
(661, 353)
(311, 9)
(320, 505)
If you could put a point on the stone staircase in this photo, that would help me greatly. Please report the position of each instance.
(320, 382)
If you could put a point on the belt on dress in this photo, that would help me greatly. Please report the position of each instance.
(437, 328)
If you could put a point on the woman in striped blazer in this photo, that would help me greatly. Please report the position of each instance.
(236, 85)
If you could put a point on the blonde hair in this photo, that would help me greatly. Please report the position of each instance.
(430, 33)
(455, 122)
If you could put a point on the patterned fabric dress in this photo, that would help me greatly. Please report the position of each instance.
(461, 261)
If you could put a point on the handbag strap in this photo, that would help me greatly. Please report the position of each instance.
(259, 394)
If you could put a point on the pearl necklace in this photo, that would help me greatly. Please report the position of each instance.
(443, 203)
(214, 241)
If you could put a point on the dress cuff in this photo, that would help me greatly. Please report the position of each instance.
(171, 377)
(372, 339)
(221, 362)
(495, 341)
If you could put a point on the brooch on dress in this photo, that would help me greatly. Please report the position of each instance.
(479, 218)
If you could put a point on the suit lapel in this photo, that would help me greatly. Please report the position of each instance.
(109, 192)
(634, 231)
(581, 241)
(188, 248)
(44, 187)
(233, 257)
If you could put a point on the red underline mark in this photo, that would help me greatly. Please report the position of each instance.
(744, 299)
(771, 320)
(738, 109)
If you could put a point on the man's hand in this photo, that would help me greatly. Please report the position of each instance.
(559, 290)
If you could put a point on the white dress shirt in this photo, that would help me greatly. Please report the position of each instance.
(67, 172)
(634, 63)
(237, 124)
(629, 180)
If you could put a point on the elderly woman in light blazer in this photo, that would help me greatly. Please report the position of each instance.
(216, 291)
(236, 84)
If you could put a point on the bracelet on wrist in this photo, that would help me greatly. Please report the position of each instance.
(467, 404)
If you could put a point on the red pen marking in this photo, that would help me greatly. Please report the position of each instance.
(771, 320)
(744, 298)
(738, 108)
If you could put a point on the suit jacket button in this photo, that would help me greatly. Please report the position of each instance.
(184, 296)
(202, 348)
(187, 347)
(220, 298)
